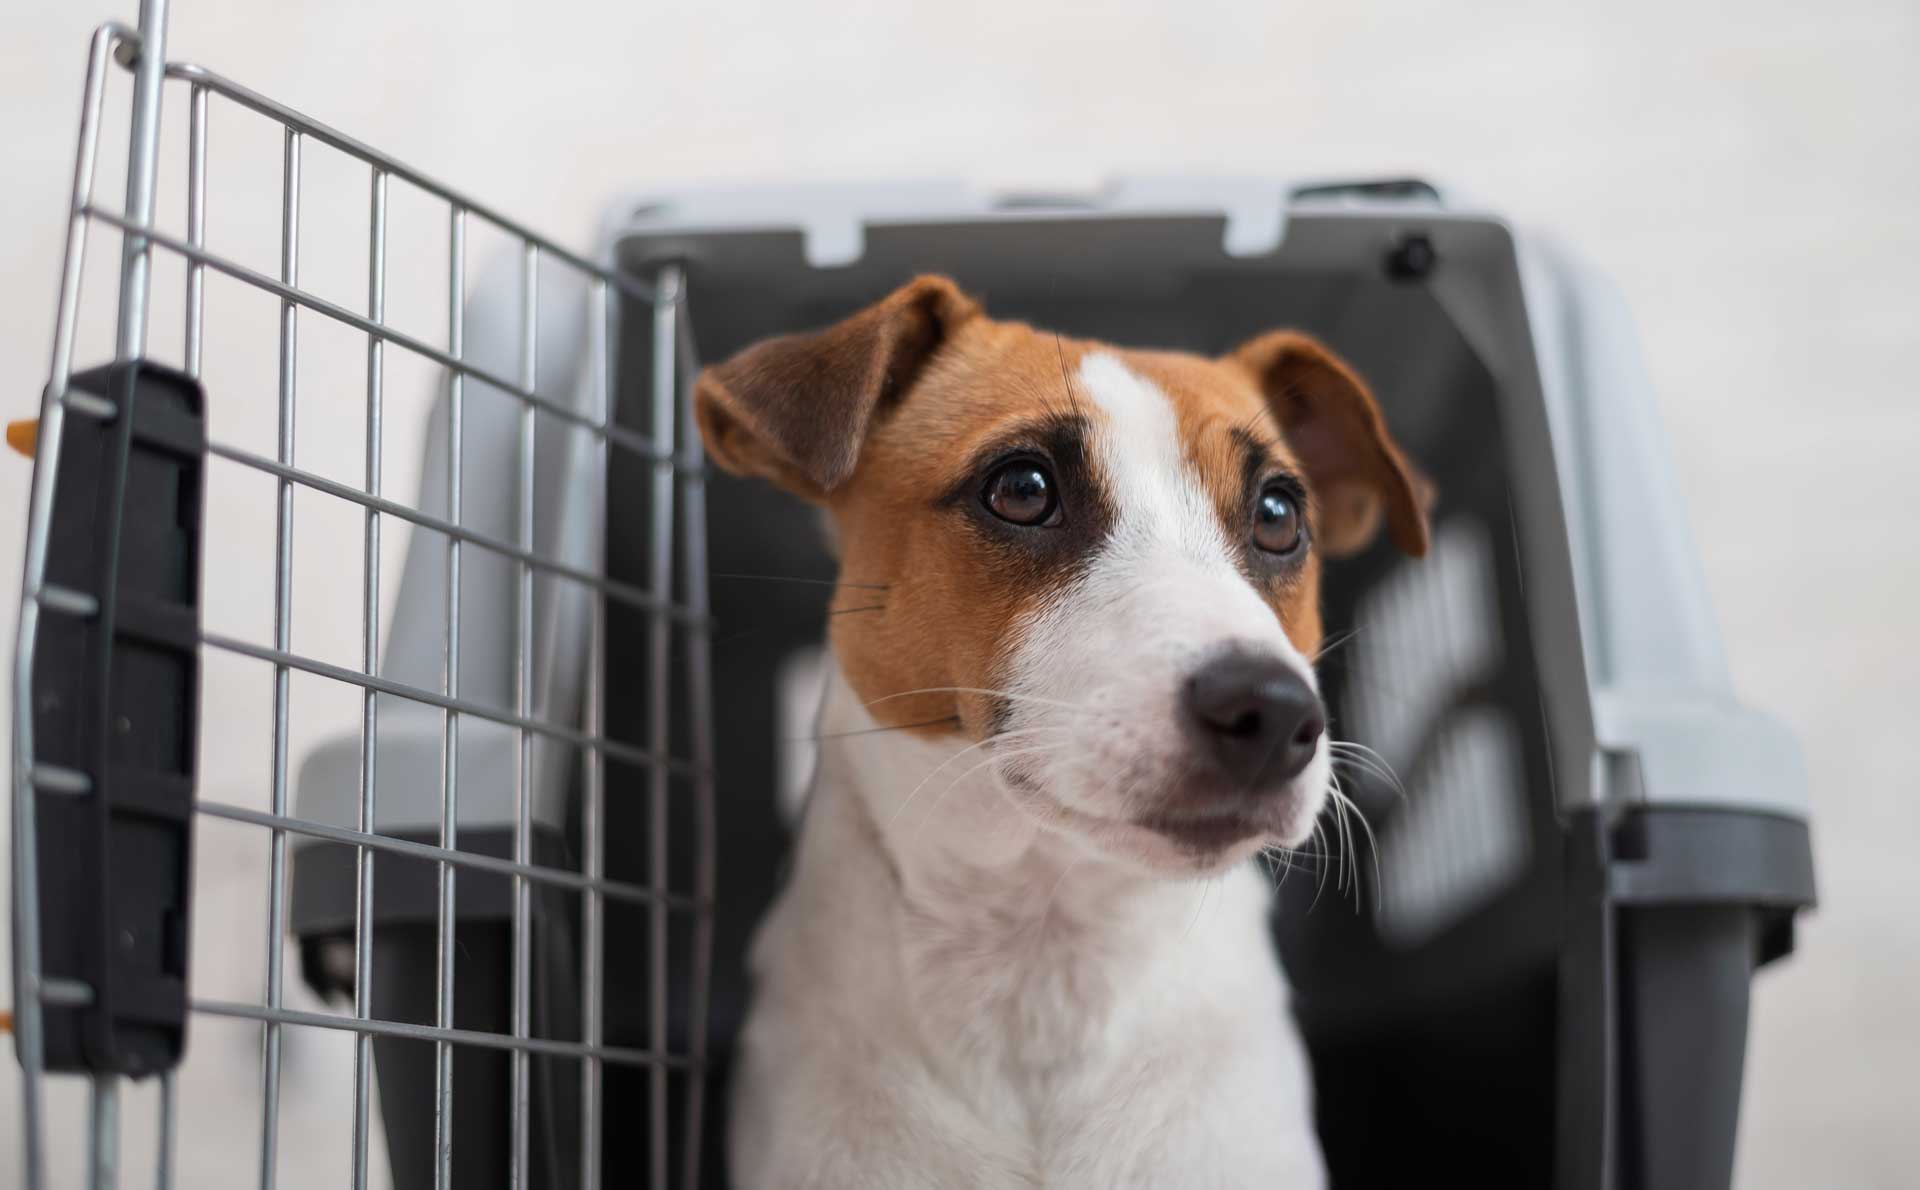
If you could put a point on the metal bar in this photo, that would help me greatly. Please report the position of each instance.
(627, 440)
(699, 703)
(523, 706)
(283, 641)
(196, 224)
(103, 1149)
(88, 405)
(53, 778)
(31, 988)
(69, 601)
(369, 661)
(65, 992)
(195, 341)
(626, 753)
(326, 135)
(143, 169)
(619, 1055)
(163, 1175)
(623, 592)
(450, 737)
(558, 877)
(665, 402)
(594, 800)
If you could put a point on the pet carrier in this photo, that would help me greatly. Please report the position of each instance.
(1586, 846)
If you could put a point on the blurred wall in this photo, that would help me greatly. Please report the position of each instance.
(1747, 171)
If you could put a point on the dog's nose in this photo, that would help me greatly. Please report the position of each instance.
(1257, 716)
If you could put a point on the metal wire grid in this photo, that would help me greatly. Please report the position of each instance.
(143, 52)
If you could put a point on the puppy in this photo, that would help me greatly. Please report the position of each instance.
(1022, 945)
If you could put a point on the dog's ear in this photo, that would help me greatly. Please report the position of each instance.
(796, 409)
(1332, 423)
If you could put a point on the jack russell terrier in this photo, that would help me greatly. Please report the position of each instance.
(1072, 696)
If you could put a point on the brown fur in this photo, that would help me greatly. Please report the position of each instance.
(1212, 406)
(881, 418)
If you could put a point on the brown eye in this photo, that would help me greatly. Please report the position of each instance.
(1021, 493)
(1276, 521)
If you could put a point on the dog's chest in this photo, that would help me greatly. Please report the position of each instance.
(1084, 1050)
(1014, 1025)
(1033, 979)
(1012, 978)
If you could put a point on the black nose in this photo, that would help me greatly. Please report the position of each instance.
(1257, 717)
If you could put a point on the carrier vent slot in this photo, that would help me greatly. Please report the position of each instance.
(1428, 643)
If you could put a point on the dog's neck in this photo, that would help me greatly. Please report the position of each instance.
(1008, 937)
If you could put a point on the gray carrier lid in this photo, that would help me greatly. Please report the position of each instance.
(1636, 689)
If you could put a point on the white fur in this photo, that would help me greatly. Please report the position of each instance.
(979, 974)
(1104, 664)
(951, 993)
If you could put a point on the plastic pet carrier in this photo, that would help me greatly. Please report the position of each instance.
(586, 698)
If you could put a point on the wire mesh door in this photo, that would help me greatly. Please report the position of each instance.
(105, 1016)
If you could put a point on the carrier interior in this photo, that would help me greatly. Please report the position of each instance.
(1425, 979)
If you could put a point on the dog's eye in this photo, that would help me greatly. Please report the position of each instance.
(1021, 493)
(1276, 521)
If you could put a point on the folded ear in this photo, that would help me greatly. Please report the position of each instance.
(1332, 424)
(796, 409)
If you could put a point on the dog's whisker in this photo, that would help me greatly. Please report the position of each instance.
(1320, 869)
(790, 578)
(1340, 843)
(1337, 842)
(955, 783)
(1367, 766)
(1373, 843)
(1358, 753)
(1281, 858)
(841, 735)
(1338, 641)
(762, 629)
(1206, 886)
(1337, 803)
(1353, 768)
(1039, 819)
(988, 743)
(1356, 759)
(1352, 862)
(1349, 810)
(935, 771)
(1066, 382)
(983, 690)
(1319, 857)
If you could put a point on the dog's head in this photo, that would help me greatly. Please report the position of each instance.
(1103, 562)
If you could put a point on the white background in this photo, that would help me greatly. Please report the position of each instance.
(1749, 172)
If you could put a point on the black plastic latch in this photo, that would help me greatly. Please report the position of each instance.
(116, 695)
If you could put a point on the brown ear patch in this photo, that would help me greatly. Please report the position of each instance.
(1331, 422)
(796, 409)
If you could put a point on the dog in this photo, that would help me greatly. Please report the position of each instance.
(1071, 697)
